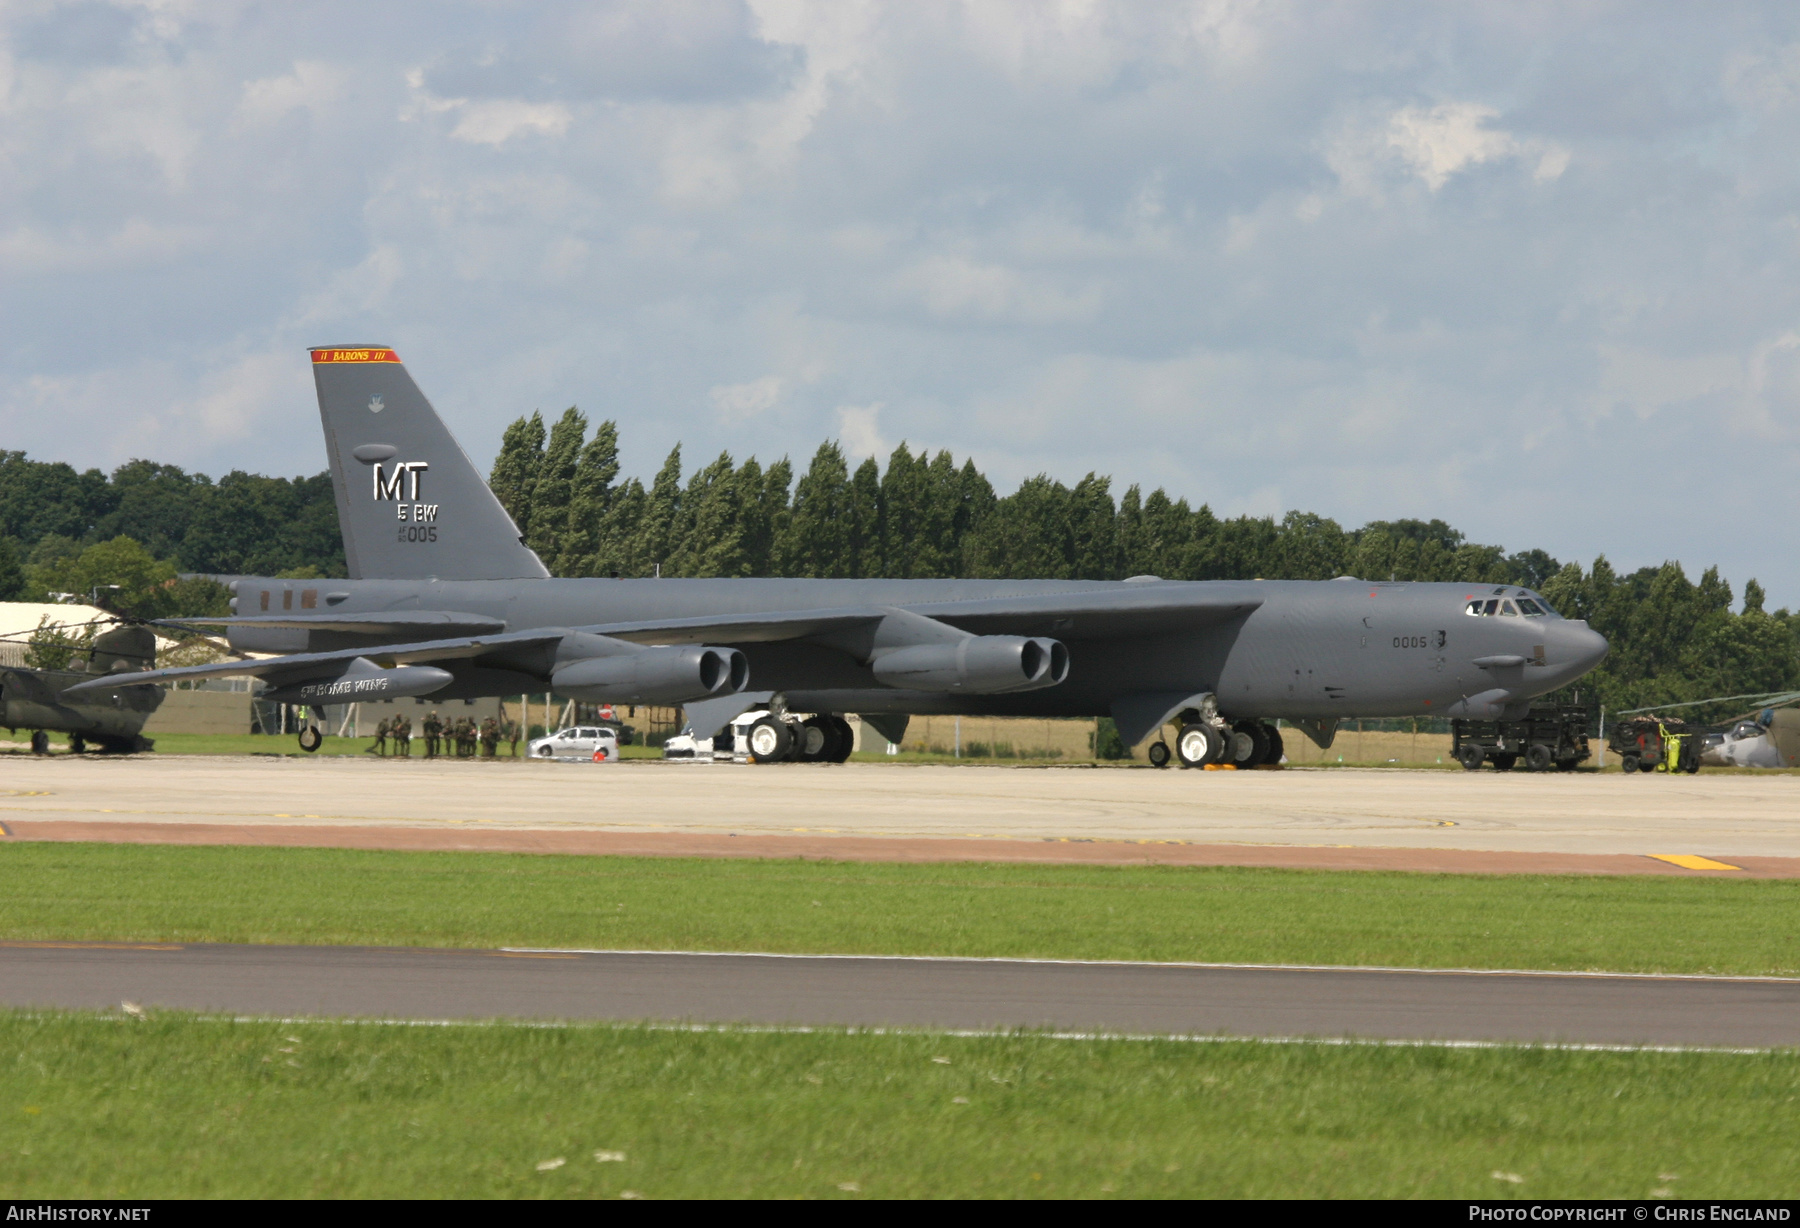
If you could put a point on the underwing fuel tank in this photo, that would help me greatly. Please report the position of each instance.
(363, 680)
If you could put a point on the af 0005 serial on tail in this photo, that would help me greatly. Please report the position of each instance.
(444, 599)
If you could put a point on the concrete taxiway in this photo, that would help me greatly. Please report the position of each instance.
(1429, 819)
(945, 993)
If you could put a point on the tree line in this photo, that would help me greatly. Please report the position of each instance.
(922, 515)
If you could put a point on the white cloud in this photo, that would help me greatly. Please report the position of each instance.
(311, 84)
(859, 432)
(497, 122)
(1433, 144)
(739, 402)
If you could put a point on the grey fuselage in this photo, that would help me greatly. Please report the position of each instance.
(1309, 650)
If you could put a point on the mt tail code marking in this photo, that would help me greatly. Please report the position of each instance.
(319, 356)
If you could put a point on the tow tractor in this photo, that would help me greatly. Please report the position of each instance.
(767, 735)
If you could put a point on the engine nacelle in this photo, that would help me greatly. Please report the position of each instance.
(363, 679)
(978, 665)
(673, 674)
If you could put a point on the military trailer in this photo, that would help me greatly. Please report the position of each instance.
(1647, 744)
(1550, 736)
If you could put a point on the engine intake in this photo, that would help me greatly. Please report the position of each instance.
(673, 674)
(978, 665)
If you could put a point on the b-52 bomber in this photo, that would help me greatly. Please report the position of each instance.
(445, 600)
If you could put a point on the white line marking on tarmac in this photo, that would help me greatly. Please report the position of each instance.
(1133, 963)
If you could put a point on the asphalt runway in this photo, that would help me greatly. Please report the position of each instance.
(1441, 813)
(942, 993)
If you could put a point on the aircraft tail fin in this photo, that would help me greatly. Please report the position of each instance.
(410, 504)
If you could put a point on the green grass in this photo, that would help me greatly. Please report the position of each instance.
(272, 895)
(174, 1106)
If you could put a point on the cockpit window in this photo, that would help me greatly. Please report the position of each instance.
(1530, 608)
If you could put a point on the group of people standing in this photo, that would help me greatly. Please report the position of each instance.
(461, 737)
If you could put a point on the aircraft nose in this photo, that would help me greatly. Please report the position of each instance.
(1575, 647)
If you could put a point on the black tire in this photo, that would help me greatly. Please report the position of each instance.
(1566, 765)
(77, 744)
(40, 742)
(1505, 763)
(1538, 758)
(1276, 749)
(1252, 749)
(1471, 758)
(310, 739)
(546, 751)
(1693, 767)
(770, 741)
(845, 739)
(1159, 754)
(1198, 745)
(814, 740)
(1629, 764)
(1646, 765)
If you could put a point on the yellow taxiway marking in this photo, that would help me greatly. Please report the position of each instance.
(1688, 861)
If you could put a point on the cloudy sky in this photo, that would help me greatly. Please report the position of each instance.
(1531, 268)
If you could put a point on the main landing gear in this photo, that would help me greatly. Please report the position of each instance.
(1201, 743)
(817, 739)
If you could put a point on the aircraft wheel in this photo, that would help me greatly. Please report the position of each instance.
(1199, 745)
(846, 739)
(813, 740)
(1276, 749)
(40, 742)
(310, 739)
(770, 740)
(1629, 764)
(1471, 758)
(1537, 758)
(1249, 745)
(1159, 753)
(1566, 765)
(77, 744)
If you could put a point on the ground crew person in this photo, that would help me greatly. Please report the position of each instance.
(490, 737)
(512, 735)
(433, 728)
(381, 736)
(403, 737)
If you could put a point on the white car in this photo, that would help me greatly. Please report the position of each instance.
(590, 743)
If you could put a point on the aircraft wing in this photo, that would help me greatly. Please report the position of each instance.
(387, 622)
(1116, 613)
(1109, 614)
(300, 664)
